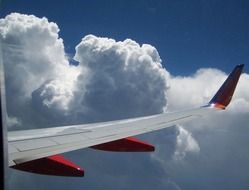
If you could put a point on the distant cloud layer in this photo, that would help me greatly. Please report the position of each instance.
(113, 80)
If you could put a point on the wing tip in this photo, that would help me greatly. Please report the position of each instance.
(240, 66)
(224, 95)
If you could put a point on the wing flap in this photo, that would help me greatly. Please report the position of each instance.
(52, 165)
(69, 138)
(129, 144)
(22, 146)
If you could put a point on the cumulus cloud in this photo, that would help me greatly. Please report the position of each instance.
(185, 143)
(124, 79)
(240, 103)
(114, 80)
(194, 90)
(33, 54)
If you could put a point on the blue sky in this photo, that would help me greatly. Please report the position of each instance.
(188, 34)
(210, 153)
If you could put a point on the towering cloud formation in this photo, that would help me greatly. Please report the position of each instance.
(34, 57)
(113, 80)
(124, 79)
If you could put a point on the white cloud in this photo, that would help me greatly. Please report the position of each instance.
(12, 121)
(34, 57)
(124, 79)
(33, 52)
(240, 103)
(194, 90)
(185, 143)
(113, 80)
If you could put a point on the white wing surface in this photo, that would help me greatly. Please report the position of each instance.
(29, 145)
(33, 144)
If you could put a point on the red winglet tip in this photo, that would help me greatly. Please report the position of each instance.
(219, 106)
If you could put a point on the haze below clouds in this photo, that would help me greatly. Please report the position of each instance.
(115, 80)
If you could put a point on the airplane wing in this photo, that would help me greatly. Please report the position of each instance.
(27, 149)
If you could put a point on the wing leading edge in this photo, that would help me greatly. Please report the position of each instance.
(28, 145)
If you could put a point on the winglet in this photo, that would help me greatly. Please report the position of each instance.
(224, 95)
